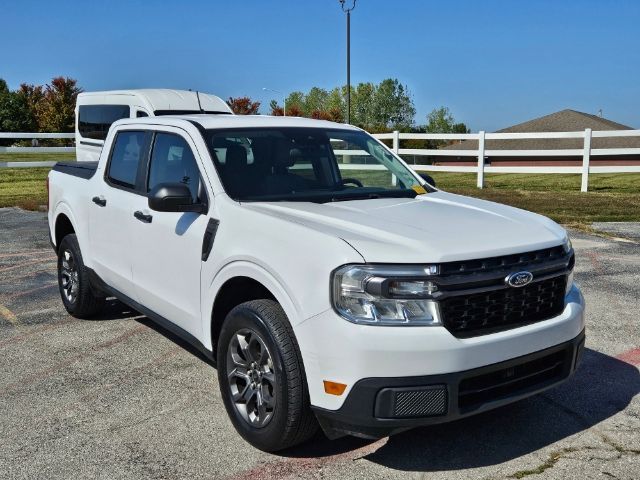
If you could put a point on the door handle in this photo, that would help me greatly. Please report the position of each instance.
(100, 201)
(142, 217)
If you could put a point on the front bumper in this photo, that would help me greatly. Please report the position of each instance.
(377, 407)
(336, 350)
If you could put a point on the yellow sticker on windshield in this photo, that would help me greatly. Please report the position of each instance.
(419, 189)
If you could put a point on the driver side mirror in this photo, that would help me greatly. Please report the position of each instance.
(428, 178)
(173, 197)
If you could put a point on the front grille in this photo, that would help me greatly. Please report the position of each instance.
(507, 307)
(513, 262)
(511, 381)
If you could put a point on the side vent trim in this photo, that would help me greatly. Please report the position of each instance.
(209, 237)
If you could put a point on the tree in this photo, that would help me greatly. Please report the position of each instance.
(296, 101)
(294, 111)
(315, 101)
(14, 114)
(362, 98)
(243, 106)
(58, 105)
(276, 110)
(321, 115)
(374, 107)
(335, 105)
(392, 105)
(34, 97)
(440, 120)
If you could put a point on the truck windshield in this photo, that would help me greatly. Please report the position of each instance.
(307, 164)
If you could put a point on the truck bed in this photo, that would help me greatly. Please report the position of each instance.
(77, 169)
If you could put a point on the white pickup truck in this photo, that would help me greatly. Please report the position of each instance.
(330, 283)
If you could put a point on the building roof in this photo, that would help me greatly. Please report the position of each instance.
(562, 121)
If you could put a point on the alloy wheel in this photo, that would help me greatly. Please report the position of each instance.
(251, 377)
(69, 276)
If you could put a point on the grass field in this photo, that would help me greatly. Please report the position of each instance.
(37, 157)
(612, 197)
(23, 187)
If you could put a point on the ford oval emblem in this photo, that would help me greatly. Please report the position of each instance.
(519, 279)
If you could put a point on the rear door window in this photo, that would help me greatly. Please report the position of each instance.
(127, 152)
(94, 120)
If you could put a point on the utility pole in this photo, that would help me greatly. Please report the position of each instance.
(347, 10)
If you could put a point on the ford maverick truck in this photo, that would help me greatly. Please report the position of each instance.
(332, 285)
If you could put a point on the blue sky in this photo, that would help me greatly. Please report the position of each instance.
(493, 63)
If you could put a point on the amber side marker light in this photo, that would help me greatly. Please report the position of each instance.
(334, 388)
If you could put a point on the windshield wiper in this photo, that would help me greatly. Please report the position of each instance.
(325, 197)
(373, 195)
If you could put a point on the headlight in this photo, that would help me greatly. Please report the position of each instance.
(568, 247)
(569, 282)
(385, 295)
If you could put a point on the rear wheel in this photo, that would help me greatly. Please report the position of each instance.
(262, 379)
(78, 297)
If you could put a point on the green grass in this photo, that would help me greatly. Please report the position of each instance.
(23, 187)
(612, 197)
(37, 157)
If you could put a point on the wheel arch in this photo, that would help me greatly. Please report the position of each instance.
(240, 282)
(63, 226)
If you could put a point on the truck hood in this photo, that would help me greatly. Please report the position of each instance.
(436, 227)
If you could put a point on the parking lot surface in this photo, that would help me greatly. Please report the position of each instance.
(118, 397)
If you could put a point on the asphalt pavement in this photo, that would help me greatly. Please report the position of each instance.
(120, 398)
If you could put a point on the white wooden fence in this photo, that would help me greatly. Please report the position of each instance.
(481, 152)
(34, 136)
(396, 137)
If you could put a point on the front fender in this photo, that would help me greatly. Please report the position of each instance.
(242, 268)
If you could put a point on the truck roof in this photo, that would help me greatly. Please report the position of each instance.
(164, 99)
(239, 121)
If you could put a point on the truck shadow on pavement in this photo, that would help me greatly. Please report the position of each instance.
(601, 387)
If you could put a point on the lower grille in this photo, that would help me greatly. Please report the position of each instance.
(420, 403)
(412, 402)
(496, 310)
(475, 391)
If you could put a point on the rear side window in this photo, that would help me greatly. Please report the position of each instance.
(172, 161)
(94, 120)
(125, 158)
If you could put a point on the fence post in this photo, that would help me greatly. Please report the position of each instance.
(481, 159)
(586, 154)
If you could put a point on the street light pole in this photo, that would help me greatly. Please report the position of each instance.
(284, 98)
(347, 10)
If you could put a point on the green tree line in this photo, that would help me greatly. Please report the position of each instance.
(380, 107)
(39, 108)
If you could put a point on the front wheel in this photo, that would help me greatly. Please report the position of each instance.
(262, 379)
(78, 297)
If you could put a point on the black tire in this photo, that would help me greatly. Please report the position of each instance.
(78, 297)
(292, 421)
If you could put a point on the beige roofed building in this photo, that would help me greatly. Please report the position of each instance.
(562, 121)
